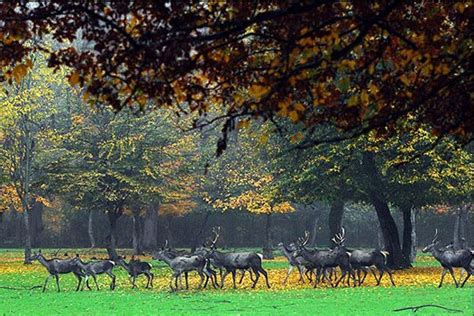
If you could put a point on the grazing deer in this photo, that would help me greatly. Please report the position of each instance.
(321, 260)
(95, 268)
(56, 267)
(136, 268)
(450, 259)
(364, 260)
(232, 262)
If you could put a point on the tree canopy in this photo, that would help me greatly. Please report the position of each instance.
(358, 66)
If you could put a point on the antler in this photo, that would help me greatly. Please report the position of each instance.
(217, 233)
(305, 239)
(166, 243)
(435, 238)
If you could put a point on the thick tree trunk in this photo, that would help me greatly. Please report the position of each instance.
(169, 234)
(380, 242)
(136, 235)
(150, 228)
(396, 258)
(407, 232)
(335, 218)
(268, 248)
(315, 228)
(36, 223)
(199, 236)
(112, 238)
(413, 236)
(90, 228)
(375, 186)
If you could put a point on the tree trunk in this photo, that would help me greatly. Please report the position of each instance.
(36, 223)
(268, 248)
(380, 242)
(150, 228)
(388, 226)
(199, 236)
(112, 238)
(169, 235)
(136, 235)
(413, 236)
(90, 228)
(407, 231)
(459, 228)
(396, 258)
(26, 220)
(335, 218)
(315, 228)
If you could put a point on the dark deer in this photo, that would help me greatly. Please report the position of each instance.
(232, 262)
(95, 268)
(136, 268)
(184, 264)
(450, 259)
(322, 260)
(56, 267)
(364, 260)
(289, 251)
(203, 251)
(207, 270)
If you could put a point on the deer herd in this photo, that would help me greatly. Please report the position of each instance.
(334, 266)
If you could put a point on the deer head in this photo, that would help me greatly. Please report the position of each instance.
(433, 243)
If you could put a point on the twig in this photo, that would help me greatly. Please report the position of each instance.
(416, 308)
(21, 288)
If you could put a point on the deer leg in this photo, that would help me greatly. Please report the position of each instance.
(389, 271)
(343, 274)
(186, 280)
(309, 275)
(223, 277)
(317, 277)
(242, 276)
(467, 278)
(57, 282)
(373, 273)
(461, 275)
(134, 279)
(257, 276)
(46, 281)
(234, 272)
(79, 279)
(442, 277)
(95, 281)
(290, 268)
(382, 271)
(202, 278)
(300, 271)
(265, 274)
(454, 278)
(112, 276)
(152, 276)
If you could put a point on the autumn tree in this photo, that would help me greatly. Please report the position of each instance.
(26, 133)
(248, 179)
(359, 66)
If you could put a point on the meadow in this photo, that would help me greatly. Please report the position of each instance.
(415, 287)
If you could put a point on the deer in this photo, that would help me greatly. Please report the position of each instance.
(136, 268)
(56, 267)
(234, 261)
(450, 259)
(364, 260)
(207, 270)
(289, 251)
(95, 268)
(321, 260)
(203, 251)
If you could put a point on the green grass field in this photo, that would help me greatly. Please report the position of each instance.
(290, 300)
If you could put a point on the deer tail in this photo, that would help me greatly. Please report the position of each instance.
(385, 255)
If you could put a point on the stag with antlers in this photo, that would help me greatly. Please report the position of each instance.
(450, 259)
(362, 261)
(231, 262)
